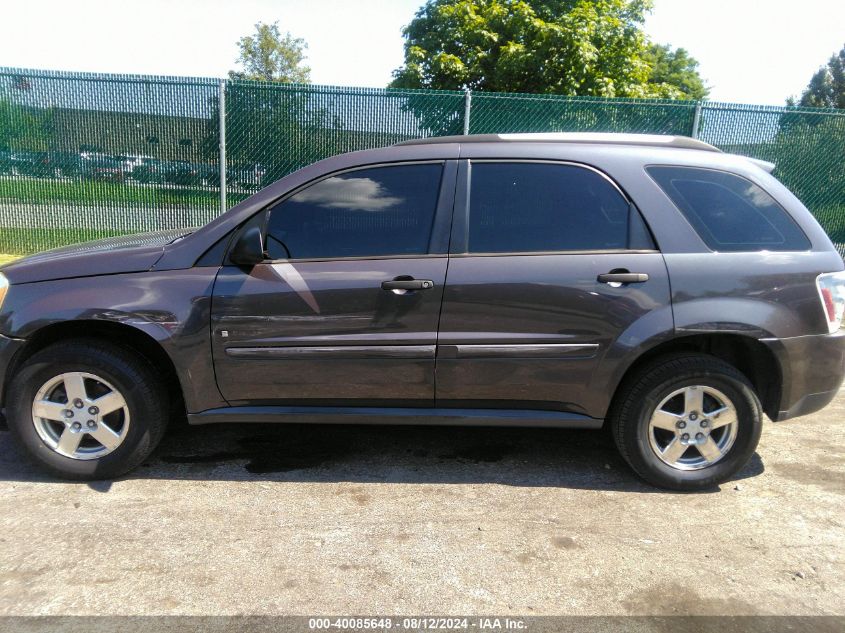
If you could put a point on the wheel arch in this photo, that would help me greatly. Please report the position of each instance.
(754, 359)
(113, 333)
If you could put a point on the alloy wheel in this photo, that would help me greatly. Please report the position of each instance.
(80, 415)
(693, 427)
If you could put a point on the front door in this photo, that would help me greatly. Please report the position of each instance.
(529, 313)
(346, 309)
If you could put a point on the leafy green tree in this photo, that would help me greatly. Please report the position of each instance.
(271, 122)
(808, 156)
(267, 55)
(809, 145)
(280, 127)
(24, 128)
(674, 73)
(566, 47)
(827, 86)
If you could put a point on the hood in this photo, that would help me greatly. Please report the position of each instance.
(125, 254)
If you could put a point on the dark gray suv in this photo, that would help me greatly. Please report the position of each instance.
(653, 284)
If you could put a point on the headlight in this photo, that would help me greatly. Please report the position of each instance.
(4, 286)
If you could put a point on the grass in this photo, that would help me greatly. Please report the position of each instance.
(19, 242)
(42, 191)
(5, 258)
(95, 201)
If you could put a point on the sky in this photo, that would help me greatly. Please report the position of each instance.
(751, 51)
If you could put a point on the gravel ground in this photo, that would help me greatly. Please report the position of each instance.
(393, 520)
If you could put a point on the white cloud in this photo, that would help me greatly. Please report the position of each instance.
(359, 194)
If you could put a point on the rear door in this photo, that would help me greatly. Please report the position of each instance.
(551, 272)
(345, 311)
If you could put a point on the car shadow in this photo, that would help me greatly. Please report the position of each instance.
(524, 457)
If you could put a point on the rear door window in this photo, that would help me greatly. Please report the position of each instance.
(729, 212)
(546, 207)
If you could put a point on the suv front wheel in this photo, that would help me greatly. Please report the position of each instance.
(687, 422)
(86, 409)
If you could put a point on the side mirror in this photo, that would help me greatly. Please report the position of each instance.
(248, 249)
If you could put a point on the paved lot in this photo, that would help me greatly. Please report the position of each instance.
(340, 520)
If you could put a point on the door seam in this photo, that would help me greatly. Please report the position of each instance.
(445, 276)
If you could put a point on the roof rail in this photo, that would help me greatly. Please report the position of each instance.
(651, 140)
(762, 164)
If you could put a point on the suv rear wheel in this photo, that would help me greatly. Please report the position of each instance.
(687, 422)
(86, 409)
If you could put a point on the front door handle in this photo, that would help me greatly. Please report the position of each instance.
(622, 278)
(407, 284)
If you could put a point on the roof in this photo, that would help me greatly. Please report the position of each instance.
(649, 140)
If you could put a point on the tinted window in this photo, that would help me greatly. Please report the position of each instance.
(524, 207)
(369, 212)
(729, 212)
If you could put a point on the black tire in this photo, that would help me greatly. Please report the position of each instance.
(640, 395)
(145, 397)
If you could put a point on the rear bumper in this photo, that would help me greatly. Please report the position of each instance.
(8, 348)
(812, 367)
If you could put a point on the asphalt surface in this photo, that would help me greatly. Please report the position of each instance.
(391, 520)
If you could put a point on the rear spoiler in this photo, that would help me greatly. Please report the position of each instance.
(762, 164)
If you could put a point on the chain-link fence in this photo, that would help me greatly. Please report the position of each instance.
(85, 156)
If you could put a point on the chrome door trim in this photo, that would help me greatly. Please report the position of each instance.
(529, 351)
(336, 352)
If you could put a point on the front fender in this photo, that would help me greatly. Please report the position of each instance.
(170, 307)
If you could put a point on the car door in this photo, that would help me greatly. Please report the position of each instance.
(533, 303)
(345, 310)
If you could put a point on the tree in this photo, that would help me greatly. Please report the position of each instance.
(23, 127)
(827, 86)
(281, 127)
(810, 144)
(566, 47)
(808, 155)
(267, 55)
(675, 73)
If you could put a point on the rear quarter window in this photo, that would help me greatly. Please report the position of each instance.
(729, 212)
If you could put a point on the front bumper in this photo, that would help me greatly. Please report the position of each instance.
(8, 348)
(812, 367)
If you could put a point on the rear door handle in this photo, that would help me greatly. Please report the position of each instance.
(623, 278)
(407, 284)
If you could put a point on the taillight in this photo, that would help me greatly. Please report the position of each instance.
(832, 294)
(4, 287)
(827, 297)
